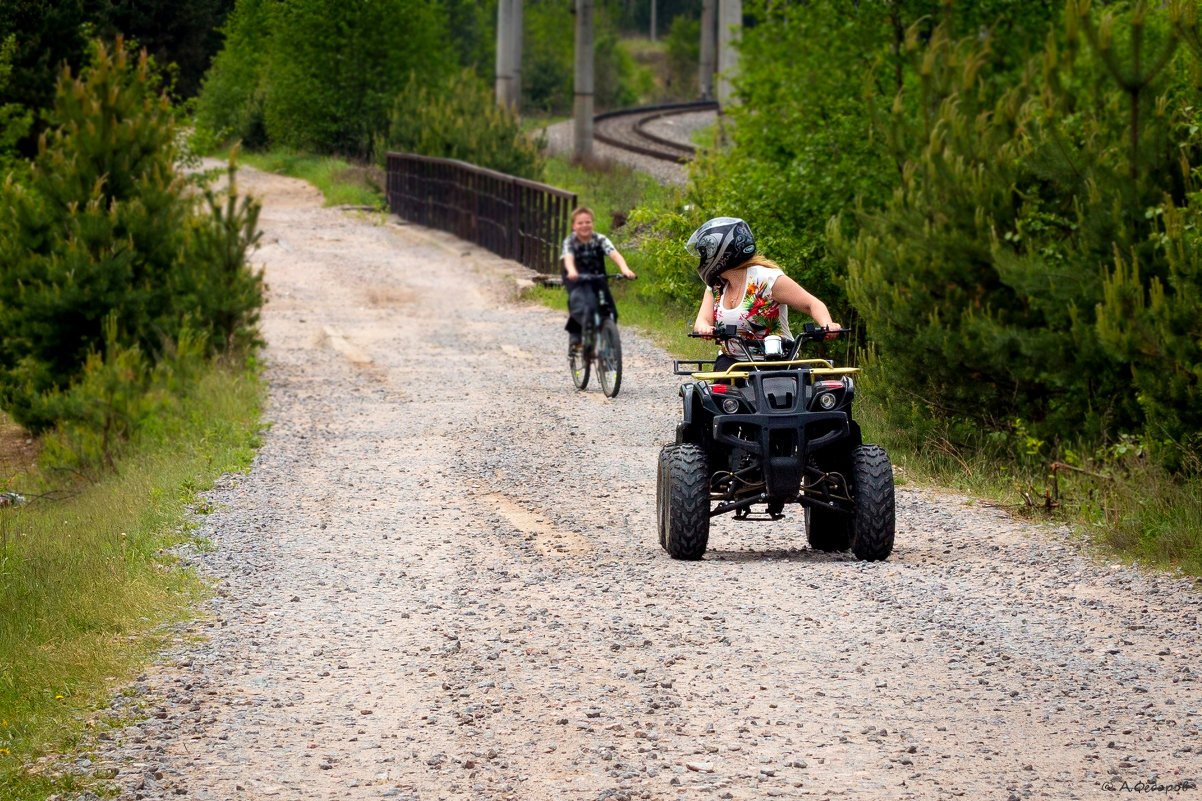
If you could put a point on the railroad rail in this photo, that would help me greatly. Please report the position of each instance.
(627, 129)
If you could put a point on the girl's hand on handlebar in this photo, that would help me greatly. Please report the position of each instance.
(703, 330)
(833, 330)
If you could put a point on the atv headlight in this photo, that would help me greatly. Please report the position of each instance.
(827, 400)
(730, 405)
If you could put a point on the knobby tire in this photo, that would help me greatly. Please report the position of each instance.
(687, 525)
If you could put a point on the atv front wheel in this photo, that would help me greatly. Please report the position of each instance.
(875, 522)
(686, 526)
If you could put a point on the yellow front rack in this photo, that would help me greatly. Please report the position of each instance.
(740, 369)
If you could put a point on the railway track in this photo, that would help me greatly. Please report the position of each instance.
(627, 129)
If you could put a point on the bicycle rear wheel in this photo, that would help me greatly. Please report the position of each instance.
(609, 359)
(579, 364)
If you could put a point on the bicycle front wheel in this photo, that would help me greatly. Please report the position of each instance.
(578, 364)
(609, 359)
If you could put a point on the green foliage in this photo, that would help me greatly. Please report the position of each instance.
(47, 35)
(15, 120)
(472, 29)
(547, 57)
(460, 119)
(179, 37)
(684, 56)
(319, 75)
(214, 284)
(981, 277)
(230, 104)
(1154, 323)
(334, 69)
(105, 228)
(116, 394)
(801, 144)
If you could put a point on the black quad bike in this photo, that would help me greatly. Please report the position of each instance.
(768, 432)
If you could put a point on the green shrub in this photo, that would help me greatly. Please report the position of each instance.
(548, 65)
(460, 119)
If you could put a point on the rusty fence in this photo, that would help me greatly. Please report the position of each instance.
(518, 219)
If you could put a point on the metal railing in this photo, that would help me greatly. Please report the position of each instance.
(515, 218)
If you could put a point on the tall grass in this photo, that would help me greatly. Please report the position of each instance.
(88, 575)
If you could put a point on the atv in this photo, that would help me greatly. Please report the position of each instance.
(770, 431)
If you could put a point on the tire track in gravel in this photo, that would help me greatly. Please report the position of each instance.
(440, 581)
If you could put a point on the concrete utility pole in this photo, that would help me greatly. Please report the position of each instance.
(582, 113)
(515, 55)
(653, 15)
(730, 28)
(709, 31)
(504, 51)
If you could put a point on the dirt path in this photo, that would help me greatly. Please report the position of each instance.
(441, 581)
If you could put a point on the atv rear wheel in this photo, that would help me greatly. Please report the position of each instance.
(869, 531)
(661, 495)
(827, 530)
(686, 527)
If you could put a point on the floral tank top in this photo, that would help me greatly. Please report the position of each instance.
(758, 315)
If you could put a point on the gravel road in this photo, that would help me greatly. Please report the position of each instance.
(441, 580)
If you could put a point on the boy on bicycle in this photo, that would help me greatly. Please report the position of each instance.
(584, 252)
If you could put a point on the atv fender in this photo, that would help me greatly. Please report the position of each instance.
(690, 429)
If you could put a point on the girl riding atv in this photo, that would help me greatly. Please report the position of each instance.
(744, 288)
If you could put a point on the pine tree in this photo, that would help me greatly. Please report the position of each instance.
(981, 278)
(106, 229)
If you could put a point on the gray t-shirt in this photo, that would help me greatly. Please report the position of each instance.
(590, 255)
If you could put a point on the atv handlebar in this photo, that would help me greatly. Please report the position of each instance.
(810, 333)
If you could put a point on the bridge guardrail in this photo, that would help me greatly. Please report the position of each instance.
(513, 217)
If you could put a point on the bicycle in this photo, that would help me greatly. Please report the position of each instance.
(600, 344)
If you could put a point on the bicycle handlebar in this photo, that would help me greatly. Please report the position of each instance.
(599, 276)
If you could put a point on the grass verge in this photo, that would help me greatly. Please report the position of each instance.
(341, 182)
(88, 576)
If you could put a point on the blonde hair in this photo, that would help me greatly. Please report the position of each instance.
(762, 261)
(576, 212)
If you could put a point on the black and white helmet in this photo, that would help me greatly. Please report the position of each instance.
(720, 244)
